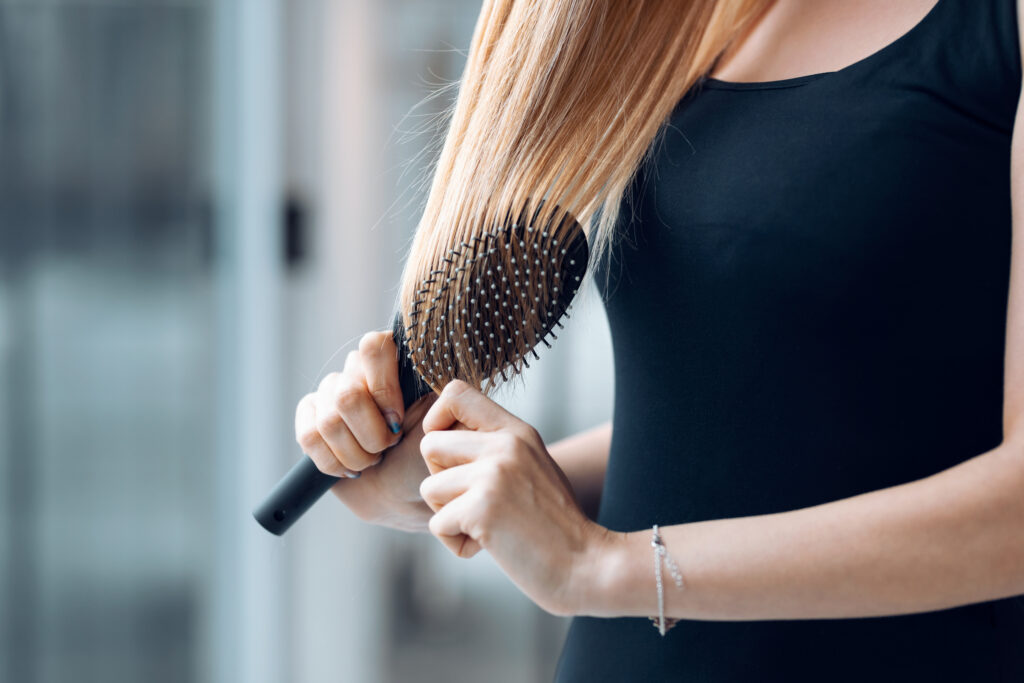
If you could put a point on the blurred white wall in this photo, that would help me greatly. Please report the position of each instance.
(155, 335)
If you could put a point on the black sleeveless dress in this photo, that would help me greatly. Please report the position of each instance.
(810, 305)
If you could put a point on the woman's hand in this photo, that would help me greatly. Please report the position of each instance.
(494, 486)
(352, 420)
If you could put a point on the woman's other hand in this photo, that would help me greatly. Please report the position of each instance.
(494, 487)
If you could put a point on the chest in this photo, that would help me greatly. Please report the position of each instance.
(878, 219)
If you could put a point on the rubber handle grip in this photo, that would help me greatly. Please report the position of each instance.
(293, 495)
(305, 484)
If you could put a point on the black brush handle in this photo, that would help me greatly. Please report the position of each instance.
(305, 484)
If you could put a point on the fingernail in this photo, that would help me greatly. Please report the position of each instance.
(393, 423)
(353, 475)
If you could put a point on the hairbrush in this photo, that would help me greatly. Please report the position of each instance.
(482, 308)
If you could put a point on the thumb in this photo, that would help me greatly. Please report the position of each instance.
(464, 404)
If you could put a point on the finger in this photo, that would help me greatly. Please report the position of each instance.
(456, 544)
(312, 444)
(362, 417)
(441, 488)
(463, 545)
(470, 547)
(461, 402)
(352, 364)
(327, 382)
(335, 432)
(449, 448)
(450, 526)
(379, 358)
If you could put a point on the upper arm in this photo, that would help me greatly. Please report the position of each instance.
(1013, 402)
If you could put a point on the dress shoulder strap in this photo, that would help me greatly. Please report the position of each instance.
(975, 58)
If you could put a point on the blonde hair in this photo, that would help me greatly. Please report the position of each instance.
(560, 101)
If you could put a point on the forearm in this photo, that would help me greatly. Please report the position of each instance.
(953, 538)
(583, 457)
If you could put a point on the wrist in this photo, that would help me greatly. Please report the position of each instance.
(618, 580)
(606, 569)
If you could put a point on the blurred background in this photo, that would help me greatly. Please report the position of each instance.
(203, 205)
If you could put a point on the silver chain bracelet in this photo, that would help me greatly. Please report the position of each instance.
(661, 554)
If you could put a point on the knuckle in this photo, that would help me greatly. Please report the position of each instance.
(434, 524)
(489, 489)
(525, 434)
(328, 421)
(348, 396)
(374, 343)
(308, 440)
(375, 443)
(501, 468)
(427, 445)
(532, 435)
(303, 402)
(455, 388)
(381, 392)
(509, 442)
(328, 379)
(481, 527)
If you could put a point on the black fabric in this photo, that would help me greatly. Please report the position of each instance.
(811, 305)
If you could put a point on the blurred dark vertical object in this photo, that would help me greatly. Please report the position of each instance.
(106, 315)
(295, 225)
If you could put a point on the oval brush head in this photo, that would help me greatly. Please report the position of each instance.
(490, 301)
(484, 306)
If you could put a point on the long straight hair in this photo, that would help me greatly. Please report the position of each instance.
(560, 101)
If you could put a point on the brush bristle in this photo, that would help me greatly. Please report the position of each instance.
(490, 301)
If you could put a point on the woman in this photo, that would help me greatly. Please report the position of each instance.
(818, 345)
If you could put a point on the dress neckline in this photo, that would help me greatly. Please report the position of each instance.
(881, 53)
